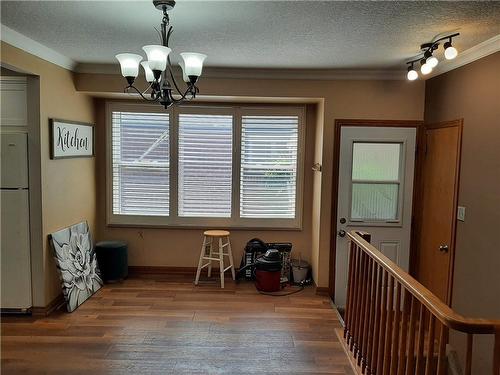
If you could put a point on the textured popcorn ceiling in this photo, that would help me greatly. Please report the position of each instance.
(257, 34)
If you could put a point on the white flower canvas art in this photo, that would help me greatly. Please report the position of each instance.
(76, 260)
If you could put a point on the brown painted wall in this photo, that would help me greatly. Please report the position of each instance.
(68, 185)
(335, 99)
(472, 92)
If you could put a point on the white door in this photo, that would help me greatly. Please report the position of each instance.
(375, 194)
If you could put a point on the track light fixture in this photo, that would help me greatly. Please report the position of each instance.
(428, 61)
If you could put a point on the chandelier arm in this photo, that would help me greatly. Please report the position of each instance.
(183, 96)
(155, 99)
(173, 78)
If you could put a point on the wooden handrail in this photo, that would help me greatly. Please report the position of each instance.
(437, 307)
(394, 325)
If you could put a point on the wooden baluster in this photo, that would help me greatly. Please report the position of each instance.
(410, 360)
(404, 332)
(443, 338)
(355, 312)
(376, 322)
(371, 322)
(366, 315)
(388, 326)
(430, 346)
(468, 356)
(383, 319)
(362, 308)
(420, 343)
(348, 307)
(395, 330)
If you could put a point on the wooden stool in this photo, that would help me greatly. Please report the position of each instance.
(208, 240)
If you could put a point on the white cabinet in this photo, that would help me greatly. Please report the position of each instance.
(13, 99)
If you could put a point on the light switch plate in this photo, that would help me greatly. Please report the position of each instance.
(461, 213)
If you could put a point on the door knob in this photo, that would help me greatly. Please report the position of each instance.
(341, 233)
(443, 248)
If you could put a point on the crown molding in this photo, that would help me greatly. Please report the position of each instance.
(472, 54)
(31, 46)
(253, 73)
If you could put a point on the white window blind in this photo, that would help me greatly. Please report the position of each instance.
(268, 175)
(205, 165)
(140, 152)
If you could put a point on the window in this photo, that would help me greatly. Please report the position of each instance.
(140, 149)
(268, 166)
(205, 166)
(376, 179)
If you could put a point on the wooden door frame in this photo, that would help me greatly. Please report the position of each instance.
(339, 123)
(416, 224)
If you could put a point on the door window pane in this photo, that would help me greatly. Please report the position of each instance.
(375, 161)
(374, 201)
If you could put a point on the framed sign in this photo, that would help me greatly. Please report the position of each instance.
(69, 139)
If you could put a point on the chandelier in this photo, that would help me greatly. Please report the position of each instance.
(158, 67)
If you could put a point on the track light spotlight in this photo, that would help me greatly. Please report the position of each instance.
(450, 52)
(430, 59)
(424, 67)
(412, 74)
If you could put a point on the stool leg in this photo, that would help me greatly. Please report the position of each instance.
(221, 263)
(200, 262)
(210, 261)
(230, 254)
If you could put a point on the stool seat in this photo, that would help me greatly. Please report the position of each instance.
(216, 233)
(220, 236)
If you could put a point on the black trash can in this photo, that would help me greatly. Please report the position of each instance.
(112, 257)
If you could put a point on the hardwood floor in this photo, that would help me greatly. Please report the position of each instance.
(162, 326)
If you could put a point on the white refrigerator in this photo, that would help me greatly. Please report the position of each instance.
(15, 227)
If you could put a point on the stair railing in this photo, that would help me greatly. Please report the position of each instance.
(394, 325)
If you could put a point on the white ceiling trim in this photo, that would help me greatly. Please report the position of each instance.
(472, 54)
(253, 73)
(31, 46)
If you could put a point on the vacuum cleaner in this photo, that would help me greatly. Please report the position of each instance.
(266, 271)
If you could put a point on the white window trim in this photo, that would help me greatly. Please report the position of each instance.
(401, 179)
(173, 221)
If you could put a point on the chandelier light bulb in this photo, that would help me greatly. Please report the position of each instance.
(129, 64)
(193, 63)
(157, 56)
(412, 74)
(147, 71)
(432, 61)
(450, 52)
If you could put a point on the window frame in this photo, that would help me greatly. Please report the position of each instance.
(235, 221)
(397, 222)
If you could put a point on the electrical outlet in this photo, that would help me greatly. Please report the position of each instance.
(461, 213)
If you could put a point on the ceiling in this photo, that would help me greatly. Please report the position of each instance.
(256, 34)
